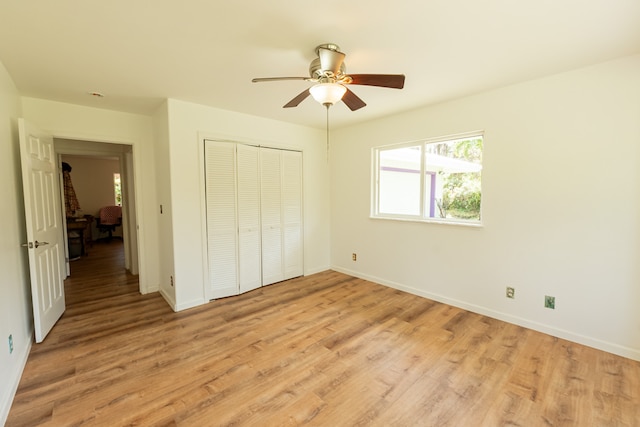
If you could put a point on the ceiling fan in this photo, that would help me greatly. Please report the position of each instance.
(328, 71)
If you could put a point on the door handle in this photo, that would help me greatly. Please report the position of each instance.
(31, 245)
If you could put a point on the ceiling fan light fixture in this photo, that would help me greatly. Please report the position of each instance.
(328, 94)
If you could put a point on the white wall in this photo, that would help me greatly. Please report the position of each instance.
(561, 207)
(15, 294)
(188, 124)
(67, 121)
(92, 179)
(165, 228)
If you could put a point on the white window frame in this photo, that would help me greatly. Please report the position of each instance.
(423, 216)
(117, 182)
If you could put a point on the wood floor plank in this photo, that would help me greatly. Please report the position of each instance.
(327, 349)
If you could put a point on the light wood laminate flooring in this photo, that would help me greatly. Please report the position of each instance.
(326, 350)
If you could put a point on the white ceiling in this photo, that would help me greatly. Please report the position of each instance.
(139, 52)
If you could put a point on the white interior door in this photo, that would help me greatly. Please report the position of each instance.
(271, 212)
(222, 226)
(44, 227)
(249, 236)
(292, 214)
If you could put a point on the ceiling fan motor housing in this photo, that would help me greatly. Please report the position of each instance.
(316, 72)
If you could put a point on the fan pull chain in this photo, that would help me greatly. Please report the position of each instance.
(327, 105)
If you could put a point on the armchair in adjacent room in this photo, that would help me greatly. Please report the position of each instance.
(109, 218)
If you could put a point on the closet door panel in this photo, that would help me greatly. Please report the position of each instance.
(221, 218)
(249, 230)
(272, 256)
(292, 213)
(271, 212)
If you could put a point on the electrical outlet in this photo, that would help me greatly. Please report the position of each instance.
(550, 302)
(10, 344)
(354, 257)
(511, 292)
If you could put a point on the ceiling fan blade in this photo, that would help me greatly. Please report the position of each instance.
(330, 60)
(298, 99)
(274, 79)
(395, 81)
(352, 100)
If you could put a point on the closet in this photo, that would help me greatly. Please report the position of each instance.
(254, 216)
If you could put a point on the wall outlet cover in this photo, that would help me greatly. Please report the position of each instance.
(550, 302)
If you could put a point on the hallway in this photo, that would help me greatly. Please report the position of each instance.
(99, 275)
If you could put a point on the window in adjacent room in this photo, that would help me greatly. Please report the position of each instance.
(437, 180)
(117, 189)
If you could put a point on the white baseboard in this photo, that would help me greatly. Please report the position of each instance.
(184, 306)
(310, 271)
(168, 299)
(609, 347)
(13, 382)
(150, 290)
(190, 304)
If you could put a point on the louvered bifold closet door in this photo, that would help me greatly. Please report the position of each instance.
(249, 233)
(222, 227)
(292, 213)
(271, 211)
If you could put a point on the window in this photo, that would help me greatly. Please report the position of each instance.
(437, 179)
(117, 189)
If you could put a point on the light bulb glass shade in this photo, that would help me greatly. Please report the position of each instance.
(327, 93)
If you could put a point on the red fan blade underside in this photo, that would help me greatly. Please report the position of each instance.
(298, 99)
(352, 100)
(395, 81)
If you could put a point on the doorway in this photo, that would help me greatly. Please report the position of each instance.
(94, 169)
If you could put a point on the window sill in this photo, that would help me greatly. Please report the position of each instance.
(431, 221)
